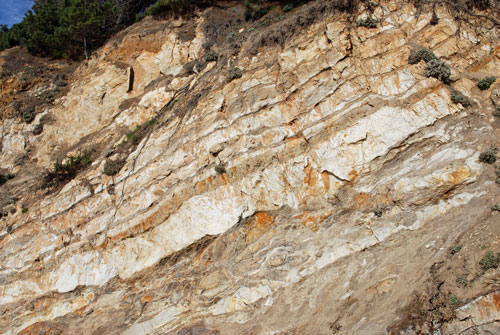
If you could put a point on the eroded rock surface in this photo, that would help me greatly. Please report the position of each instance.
(347, 174)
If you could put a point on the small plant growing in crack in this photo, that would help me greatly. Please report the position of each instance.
(486, 83)
(489, 156)
(455, 249)
(462, 281)
(459, 98)
(416, 55)
(220, 168)
(234, 73)
(489, 261)
(368, 22)
(454, 301)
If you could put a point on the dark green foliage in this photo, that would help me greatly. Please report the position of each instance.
(28, 116)
(68, 169)
(489, 156)
(454, 301)
(438, 69)
(416, 55)
(368, 22)
(455, 249)
(211, 56)
(489, 261)
(288, 7)
(69, 28)
(220, 168)
(462, 281)
(255, 12)
(112, 167)
(486, 83)
(459, 98)
(24, 210)
(234, 73)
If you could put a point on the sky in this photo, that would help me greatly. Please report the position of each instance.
(12, 11)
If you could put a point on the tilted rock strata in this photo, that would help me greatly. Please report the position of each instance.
(337, 127)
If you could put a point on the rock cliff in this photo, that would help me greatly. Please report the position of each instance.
(333, 188)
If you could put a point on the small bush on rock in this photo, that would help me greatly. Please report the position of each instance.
(496, 112)
(234, 73)
(486, 83)
(368, 22)
(438, 69)
(489, 261)
(211, 56)
(417, 55)
(220, 168)
(459, 98)
(489, 156)
(112, 167)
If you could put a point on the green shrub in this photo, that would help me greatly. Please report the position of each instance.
(211, 56)
(220, 168)
(489, 261)
(368, 22)
(254, 12)
(486, 83)
(288, 7)
(67, 170)
(438, 69)
(112, 167)
(489, 156)
(416, 55)
(454, 301)
(455, 249)
(234, 73)
(24, 210)
(28, 116)
(459, 98)
(462, 281)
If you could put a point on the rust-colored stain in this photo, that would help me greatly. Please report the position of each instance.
(325, 177)
(363, 199)
(201, 186)
(40, 328)
(352, 175)
(146, 298)
(459, 175)
(80, 311)
(224, 178)
(310, 221)
(258, 225)
(311, 176)
(125, 298)
(496, 300)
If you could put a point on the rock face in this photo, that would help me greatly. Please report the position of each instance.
(311, 196)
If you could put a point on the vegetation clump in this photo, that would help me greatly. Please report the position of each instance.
(234, 73)
(438, 69)
(459, 98)
(112, 167)
(255, 12)
(211, 56)
(486, 83)
(220, 168)
(490, 261)
(417, 55)
(368, 22)
(68, 169)
(455, 249)
(462, 281)
(454, 301)
(24, 210)
(489, 156)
